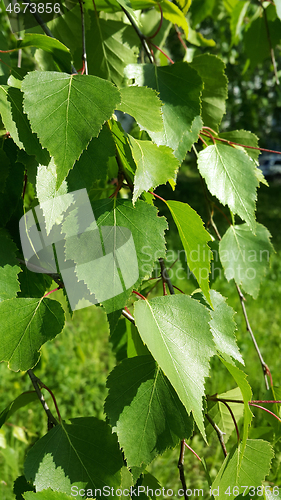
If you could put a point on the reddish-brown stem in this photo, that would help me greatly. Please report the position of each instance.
(180, 37)
(194, 453)
(157, 196)
(242, 145)
(265, 409)
(160, 23)
(53, 398)
(204, 142)
(233, 418)
(162, 51)
(178, 289)
(119, 185)
(61, 285)
(139, 295)
(209, 128)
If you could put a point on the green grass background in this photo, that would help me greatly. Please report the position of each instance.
(76, 364)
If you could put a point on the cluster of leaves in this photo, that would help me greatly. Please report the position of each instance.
(60, 134)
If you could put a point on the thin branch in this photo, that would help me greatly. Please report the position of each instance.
(220, 434)
(232, 416)
(141, 36)
(231, 143)
(181, 469)
(194, 453)
(139, 295)
(264, 366)
(127, 315)
(270, 45)
(52, 421)
(162, 52)
(265, 409)
(165, 276)
(180, 37)
(84, 53)
(45, 28)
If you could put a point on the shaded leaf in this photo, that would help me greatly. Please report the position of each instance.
(9, 268)
(113, 46)
(245, 256)
(70, 111)
(221, 415)
(176, 331)
(211, 70)
(22, 400)
(230, 176)
(179, 88)
(59, 51)
(83, 453)
(26, 324)
(142, 399)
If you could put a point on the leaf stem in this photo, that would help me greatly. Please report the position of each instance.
(165, 276)
(162, 52)
(242, 145)
(160, 23)
(52, 421)
(233, 418)
(139, 295)
(220, 434)
(84, 53)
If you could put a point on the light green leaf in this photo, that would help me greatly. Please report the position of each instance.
(144, 105)
(173, 14)
(22, 400)
(237, 21)
(59, 51)
(126, 4)
(17, 124)
(142, 399)
(241, 380)
(26, 324)
(56, 205)
(245, 256)
(194, 239)
(83, 453)
(278, 8)
(135, 257)
(221, 415)
(92, 164)
(180, 88)
(230, 176)
(113, 46)
(47, 494)
(70, 110)
(123, 149)
(211, 70)
(155, 165)
(9, 268)
(250, 471)
(244, 137)
(176, 331)
(184, 5)
(223, 326)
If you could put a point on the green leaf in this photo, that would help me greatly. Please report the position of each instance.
(221, 415)
(4, 169)
(51, 201)
(245, 256)
(211, 69)
(26, 324)
(24, 399)
(113, 46)
(155, 165)
(17, 124)
(92, 164)
(83, 453)
(255, 39)
(47, 494)
(199, 11)
(194, 239)
(230, 176)
(278, 8)
(70, 111)
(5, 61)
(184, 5)
(237, 20)
(176, 331)
(9, 268)
(251, 471)
(20, 487)
(113, 217)
(179, 88)
(144, 105)
(33, 284)
(142, 399)
(241, 380)
(59, 51)
(124, 153)
(244, 137)
(223, 326)
(173, 14)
